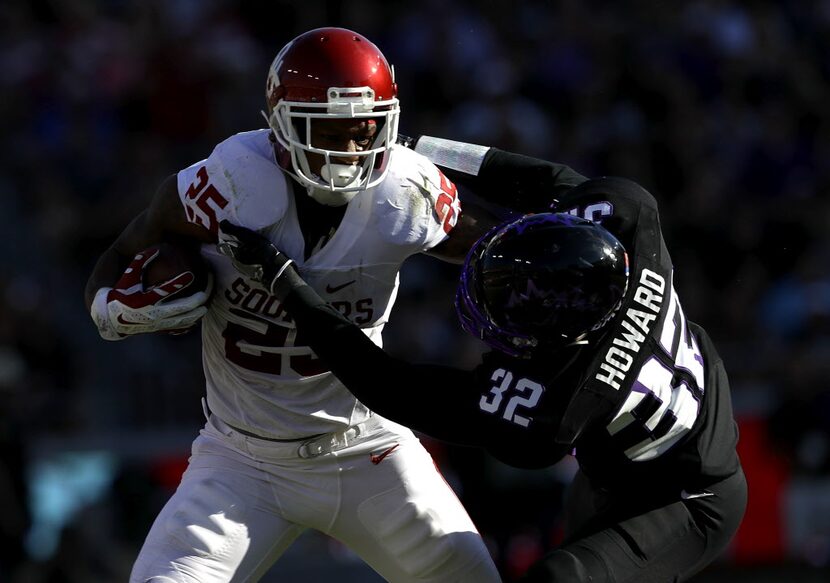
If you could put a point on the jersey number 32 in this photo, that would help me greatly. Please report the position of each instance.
(522, 395)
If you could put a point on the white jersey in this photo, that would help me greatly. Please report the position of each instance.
(260, 376)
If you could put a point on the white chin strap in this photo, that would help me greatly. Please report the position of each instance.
(341, 176)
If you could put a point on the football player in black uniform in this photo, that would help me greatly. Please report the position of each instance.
(593, 356)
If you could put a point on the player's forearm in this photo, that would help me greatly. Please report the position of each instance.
(104, 274)
(111, 264)
(367, 371)
(524, 183)
(427, 398)
(163, 220)
(519, 182)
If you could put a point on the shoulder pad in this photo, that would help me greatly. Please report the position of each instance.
(614, 187)
(416, 204)
(239, 181)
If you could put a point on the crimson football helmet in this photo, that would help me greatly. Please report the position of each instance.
(542, 282)
(331, 73)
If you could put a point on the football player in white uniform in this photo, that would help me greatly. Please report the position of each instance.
(286, 447)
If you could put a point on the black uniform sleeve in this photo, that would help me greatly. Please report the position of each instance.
(432, 399)
(530, 183)
(522, 183)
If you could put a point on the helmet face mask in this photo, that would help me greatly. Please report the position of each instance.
(332, 74)
(473, 315)
(540, 283)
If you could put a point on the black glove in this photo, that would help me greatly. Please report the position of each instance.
(407, 142)
(255, 256)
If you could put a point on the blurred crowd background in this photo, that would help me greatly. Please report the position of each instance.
(721, 108)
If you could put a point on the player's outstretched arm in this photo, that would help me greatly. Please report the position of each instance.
(118, 303)
(522, 183)
(439, 401)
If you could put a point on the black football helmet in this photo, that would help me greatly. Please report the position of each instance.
(541, 282)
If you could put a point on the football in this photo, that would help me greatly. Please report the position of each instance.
(171, 261)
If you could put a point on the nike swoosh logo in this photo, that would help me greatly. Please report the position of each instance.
(692, 495)
(377, 458)
(121, 320)
(330, 289)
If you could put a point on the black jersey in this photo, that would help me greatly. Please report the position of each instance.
(650, 392)
(647, 396)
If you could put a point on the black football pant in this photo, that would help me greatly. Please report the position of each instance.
(625, 537)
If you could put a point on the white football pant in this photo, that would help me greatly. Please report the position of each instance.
(244, 500)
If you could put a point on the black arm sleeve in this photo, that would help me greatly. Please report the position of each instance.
(522, 183)
(432, 399)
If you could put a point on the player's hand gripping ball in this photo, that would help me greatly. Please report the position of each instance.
(164, 289)
(171, 262)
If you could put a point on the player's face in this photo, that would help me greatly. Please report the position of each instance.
(343, 135)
